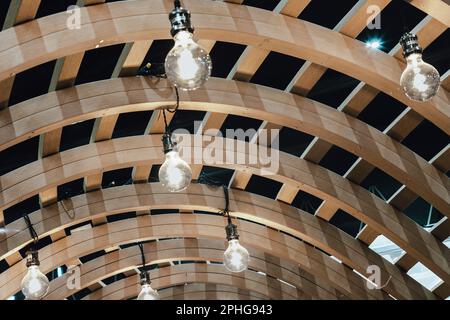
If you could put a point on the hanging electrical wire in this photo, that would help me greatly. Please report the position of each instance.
(35, 284)
(147, 292)
(235, 257)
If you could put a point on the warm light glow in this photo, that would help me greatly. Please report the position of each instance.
(236, 257)
(175, 174)
(148, 293)
(35, 284)
(420, 81)
(187, 65)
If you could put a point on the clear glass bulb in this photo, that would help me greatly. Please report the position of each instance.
(420, 81)
(175, 174)
(187, 65)
(236, 257)
(148, 293)
(35, 284)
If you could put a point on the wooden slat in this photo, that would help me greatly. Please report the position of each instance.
(141, 173)
(403, 199)
(443, 290)
(287, 193)
(326, 210)
(360, 100)
(92, 2)
(367, 235)
(360, 171)
(27, 10)
(13, 258)
(405, 125)
(49, 142)
(132, 57)
(210, 227)
(251, 60)
(293, 8)
(65, 72)
(308, 79)
(378, 69)
(156, 123)
(48, 196)
(127, 152)
(104, 127)
(406, 262)
(5, 91)
(58, 235)
(261, 209)
(440, 10)
(315, 119)
(442, 229)
(128, 259)
(317, 151)
(240, 180)
(442, 161)
(213, 121)
(93, 182)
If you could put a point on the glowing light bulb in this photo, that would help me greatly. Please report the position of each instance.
(148, 293)
(420, 81)
(35, 284)
(175, 174)
(236, 257)
(187, 65)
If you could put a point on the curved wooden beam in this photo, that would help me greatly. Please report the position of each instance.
(114, 96)
(49, 38)
(129, 287)
(202, 291)
(262, 210)
(187, 250)
(144, 228)
(108, 155)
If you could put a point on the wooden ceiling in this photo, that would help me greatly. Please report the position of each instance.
(303, 247)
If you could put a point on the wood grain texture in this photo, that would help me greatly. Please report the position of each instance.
(22, 49)
(145, 228)
(188, 250)
(226, 96)
(265, 211)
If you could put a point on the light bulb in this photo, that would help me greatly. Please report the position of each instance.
(236, 257)
(420, 81)
(148, 293)
(187, 65)
(175, 174)
(35, 284)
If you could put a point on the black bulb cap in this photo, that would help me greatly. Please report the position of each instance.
(180, 20)
(145, 278)
(410, 44)
(232, 233)
(32, 258)
(167, 142)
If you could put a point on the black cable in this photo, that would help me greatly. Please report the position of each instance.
(141, 247)
(31, 229)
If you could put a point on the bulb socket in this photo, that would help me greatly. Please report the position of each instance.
(145, 278)
(167, 142)
(232, 233)
(410, 44)
(180, 20)
(32, 258)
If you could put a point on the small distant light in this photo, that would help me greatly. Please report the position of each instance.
(59, 271)
(12, 298)
(374, 44)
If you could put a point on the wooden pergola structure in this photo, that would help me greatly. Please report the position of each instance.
(294, 255)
